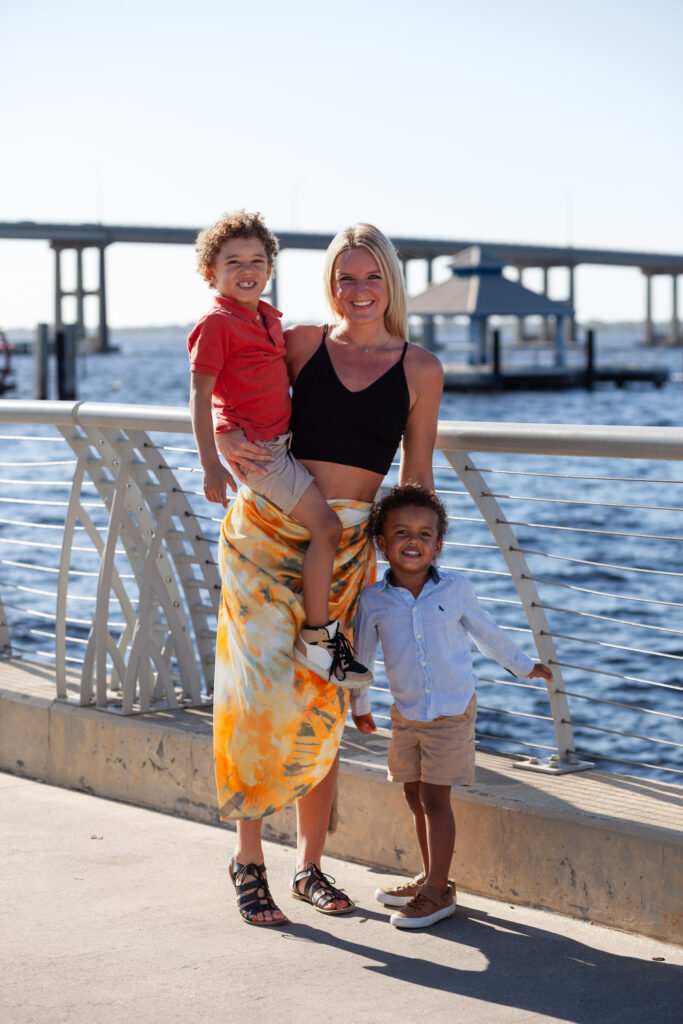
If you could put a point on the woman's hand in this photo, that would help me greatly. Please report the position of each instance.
(364, 723)
(244, 456)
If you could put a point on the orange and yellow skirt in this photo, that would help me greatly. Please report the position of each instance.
(276, 726)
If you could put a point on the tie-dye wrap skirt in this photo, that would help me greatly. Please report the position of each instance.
(276, 726)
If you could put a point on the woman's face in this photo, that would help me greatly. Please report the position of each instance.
(359, 286)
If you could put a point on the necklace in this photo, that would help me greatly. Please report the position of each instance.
(364, 348)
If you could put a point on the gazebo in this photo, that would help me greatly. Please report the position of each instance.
(479, 290)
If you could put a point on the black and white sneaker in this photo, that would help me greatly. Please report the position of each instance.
(328, 653)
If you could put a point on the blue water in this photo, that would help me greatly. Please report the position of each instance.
(154, 371)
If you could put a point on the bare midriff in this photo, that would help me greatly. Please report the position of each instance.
(336, 481)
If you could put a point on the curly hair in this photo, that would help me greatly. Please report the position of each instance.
(407, 496)
(238, 224)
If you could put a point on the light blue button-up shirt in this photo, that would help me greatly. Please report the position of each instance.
(426, 644)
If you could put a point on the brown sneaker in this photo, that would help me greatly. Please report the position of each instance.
(426, 908)
(328, 653)
(399, 895)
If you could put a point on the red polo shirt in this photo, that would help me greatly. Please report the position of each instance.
(245, 351)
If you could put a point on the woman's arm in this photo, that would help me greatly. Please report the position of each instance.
(419, 436)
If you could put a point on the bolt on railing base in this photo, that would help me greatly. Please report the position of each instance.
(553, 765)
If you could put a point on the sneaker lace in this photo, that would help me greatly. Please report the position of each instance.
(342, 658)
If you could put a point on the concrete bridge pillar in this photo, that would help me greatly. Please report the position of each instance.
(273, 288)
(430, 270)
(571, 323)
(58, 287)
(80, 292)
(103, 340)
(673, 327)
(543, 330)
(649, 338)
(80, 323)
(520, 319)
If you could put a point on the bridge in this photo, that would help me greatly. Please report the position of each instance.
(523, 256)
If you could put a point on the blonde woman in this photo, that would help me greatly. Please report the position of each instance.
(360, 390)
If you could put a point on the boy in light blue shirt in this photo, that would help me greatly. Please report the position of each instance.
(425, 620)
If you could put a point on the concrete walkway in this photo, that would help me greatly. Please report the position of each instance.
(120, 915)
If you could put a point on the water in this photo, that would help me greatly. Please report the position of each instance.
(153, 370)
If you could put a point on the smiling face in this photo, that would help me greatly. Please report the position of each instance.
(359, 289)
(410, 543)
(240, 271)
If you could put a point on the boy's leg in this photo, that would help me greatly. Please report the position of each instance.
(324, 651)
(440, 831)
(411, 791)
(435, 899)
(316, 515)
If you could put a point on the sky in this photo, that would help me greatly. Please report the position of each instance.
(540, 121)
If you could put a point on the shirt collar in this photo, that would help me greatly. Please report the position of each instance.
(249, 315)
(387, 579)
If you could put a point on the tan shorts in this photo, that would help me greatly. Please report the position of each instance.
(285, 479)
(440, 752)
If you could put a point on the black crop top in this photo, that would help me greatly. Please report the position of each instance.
(354, 428)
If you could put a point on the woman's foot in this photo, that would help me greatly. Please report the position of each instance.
(254, 902)
(312, 886)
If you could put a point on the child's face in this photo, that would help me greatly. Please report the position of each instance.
(240, 271)
(410, 541)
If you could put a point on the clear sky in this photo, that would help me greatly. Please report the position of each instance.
(535, 121)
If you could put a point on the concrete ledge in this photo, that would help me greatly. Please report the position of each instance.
(605, 848)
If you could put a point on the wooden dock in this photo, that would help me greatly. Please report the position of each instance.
(460, 377)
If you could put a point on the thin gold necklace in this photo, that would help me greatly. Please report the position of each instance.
(364, 348)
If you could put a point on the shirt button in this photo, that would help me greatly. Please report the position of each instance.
(423, 662)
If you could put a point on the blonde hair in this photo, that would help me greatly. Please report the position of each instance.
(365, 236)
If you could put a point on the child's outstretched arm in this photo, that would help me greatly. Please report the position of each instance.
(541, 671)
(365, 637)
(216, 477)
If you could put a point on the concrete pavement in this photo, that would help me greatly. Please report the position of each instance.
(114, 913)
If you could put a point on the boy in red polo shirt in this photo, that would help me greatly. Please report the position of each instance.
(237, 364)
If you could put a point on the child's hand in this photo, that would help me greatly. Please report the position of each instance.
(216, 481)
(541, 671)
(244, 456)
(364, 723)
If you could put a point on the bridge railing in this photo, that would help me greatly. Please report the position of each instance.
(108, 571)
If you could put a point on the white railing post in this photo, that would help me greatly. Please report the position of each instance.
(565, 760)
(153, 522)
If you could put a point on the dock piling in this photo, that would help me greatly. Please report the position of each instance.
(40, 363)
(65, 344)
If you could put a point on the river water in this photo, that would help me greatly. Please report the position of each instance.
(611, 658)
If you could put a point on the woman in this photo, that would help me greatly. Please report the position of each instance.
(358, 389)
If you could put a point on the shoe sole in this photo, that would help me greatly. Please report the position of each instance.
(392, 901)
(301, 659)
(422, 922)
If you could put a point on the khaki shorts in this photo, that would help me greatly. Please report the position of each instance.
(285, 479)
(439, 752)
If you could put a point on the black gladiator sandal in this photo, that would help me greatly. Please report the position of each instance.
(319, 889)
(253, 894)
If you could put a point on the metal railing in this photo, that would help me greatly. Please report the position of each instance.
(108, 571)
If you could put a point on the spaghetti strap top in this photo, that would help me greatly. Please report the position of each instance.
(353, 428)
